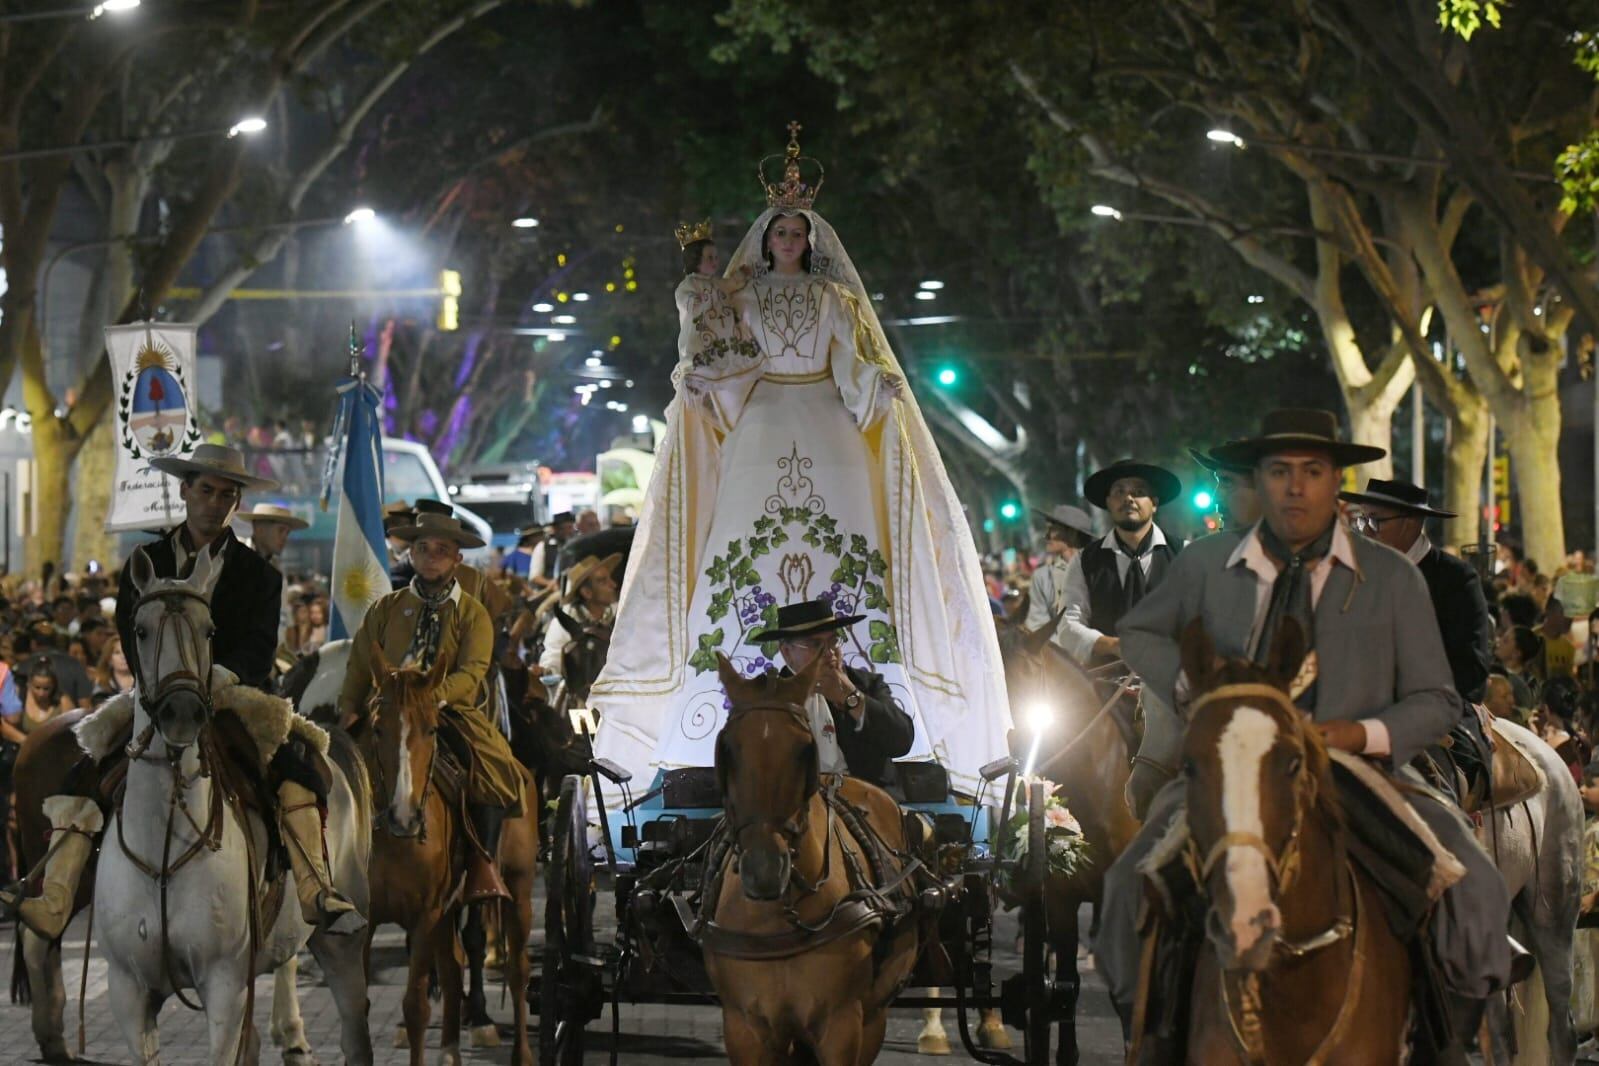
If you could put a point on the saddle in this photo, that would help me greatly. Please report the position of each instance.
(1516, 777)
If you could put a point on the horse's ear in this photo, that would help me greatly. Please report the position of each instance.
(381, 667)
(1287, 654)
(436, 676)
(207, 569)
(728, 673)
(140, 571)
(568, 623)
(1034, 640)
(1198, 656)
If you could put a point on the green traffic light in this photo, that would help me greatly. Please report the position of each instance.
(1203, 500)
(1009, 510)
(947, 376)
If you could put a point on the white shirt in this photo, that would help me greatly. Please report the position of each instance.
(1252, 554)
(556, 638)
(1075, 635)
(1418, 551)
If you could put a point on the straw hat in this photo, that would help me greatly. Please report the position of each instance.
(216, 460)
(437, 525)
(271, 512)
(585, 569)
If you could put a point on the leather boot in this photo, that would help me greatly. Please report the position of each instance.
(483, 881)
(75, 822)
(322, 905)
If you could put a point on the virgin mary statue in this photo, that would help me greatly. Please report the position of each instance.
(796, 466)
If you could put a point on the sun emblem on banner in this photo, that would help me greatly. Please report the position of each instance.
(154, 406)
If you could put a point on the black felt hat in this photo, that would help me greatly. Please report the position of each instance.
(1162, 482)
(1295, 428)
(805, 619)
(1400, 495)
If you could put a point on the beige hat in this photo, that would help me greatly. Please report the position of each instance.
(437, 525)
(271, 512)
(585, 569)
(217, 460)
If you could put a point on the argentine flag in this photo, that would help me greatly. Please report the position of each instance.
(360, 553)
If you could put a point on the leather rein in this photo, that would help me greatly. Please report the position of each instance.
(860, 908)
(382, 779)
(1283, 868)
(177, 625)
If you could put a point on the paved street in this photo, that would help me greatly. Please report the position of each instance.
(650, 1034)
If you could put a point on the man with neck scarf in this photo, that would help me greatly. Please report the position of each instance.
(429, 619)
(1112, 574)
(1376, 682)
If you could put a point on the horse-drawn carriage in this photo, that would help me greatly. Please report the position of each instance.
(655, 861)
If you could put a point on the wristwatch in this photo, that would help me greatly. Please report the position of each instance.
(854, 700)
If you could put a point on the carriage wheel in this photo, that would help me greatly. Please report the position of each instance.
(1035, 943)
(568, 985)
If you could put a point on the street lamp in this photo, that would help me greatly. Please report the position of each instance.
(108, 7)
(360, 215)
(526, 222)
(931, 286)
(923, 294)
(1106, 211)
(1228, 137)
(249, 126)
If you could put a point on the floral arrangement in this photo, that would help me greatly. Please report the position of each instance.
(1064, 842)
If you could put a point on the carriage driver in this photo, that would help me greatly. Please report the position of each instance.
(859, 728)
(244, 610)
(415, 625)
(591, 593)
(1379, 685)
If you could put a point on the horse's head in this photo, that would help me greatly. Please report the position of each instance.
(1254, 773)
(767, 767)
(172, 631)
(584, 656)
(405, 729)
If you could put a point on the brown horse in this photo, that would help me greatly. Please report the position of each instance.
(418, 857)
(1298, 963)
(1077, 723)
(793, 949)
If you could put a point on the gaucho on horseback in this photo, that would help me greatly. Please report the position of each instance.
(430, 620)
(244, 611)
(1376, 683)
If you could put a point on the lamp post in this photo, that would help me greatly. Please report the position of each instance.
(248, 126)
(1231, 139)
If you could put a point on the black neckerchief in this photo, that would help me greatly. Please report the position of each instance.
(1133, 584)
(1290, 595)
(429, 624)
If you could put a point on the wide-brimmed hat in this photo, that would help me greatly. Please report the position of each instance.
(271, 512)
(216, 460)
(428, 524)
(1293, 428)
(396, 515)
(1400, 495)
(805, 619)
(585, 569)
(1209, 461)
(1068, 516)
(1161, 481)
(427, 505)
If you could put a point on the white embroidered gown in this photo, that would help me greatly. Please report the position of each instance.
(791, 472)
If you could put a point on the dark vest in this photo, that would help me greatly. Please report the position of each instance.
(552, 553)
(1107, 601)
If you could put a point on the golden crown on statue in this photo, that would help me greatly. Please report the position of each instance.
(793, 191)
(687, 234)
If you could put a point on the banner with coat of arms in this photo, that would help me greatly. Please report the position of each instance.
(152, 364)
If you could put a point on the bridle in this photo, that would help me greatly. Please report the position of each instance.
(174, 623)
(791, 829)
(385, 798)
(1283, 867)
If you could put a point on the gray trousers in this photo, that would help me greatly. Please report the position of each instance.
(1469, 925)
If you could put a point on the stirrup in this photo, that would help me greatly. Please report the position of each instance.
(11, 897)
(338, 922)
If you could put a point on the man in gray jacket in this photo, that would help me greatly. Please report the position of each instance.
(1382, 683)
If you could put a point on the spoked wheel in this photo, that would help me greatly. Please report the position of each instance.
(1035, 944)
(569, 984)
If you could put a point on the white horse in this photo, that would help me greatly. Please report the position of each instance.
(1537, 845)
(191, 927)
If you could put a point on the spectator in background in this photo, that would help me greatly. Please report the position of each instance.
(79, 651)
(1499, 696)
(1556, 724)
(1559, 653)
(63, 612)
(520, 559)
(282, 439)
(1518, 609)
(1520, 653)
(317, 635)
(44, 698)
(95, 633)
(38, 645)
(11, 738)
(310, 439)
(587, 522)
(1542, 588)
(112, 675)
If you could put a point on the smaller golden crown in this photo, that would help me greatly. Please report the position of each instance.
(687, 234)
(793, 191)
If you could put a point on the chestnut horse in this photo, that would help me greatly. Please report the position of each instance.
(1298, 963)
(418, 857)
(793, 949)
